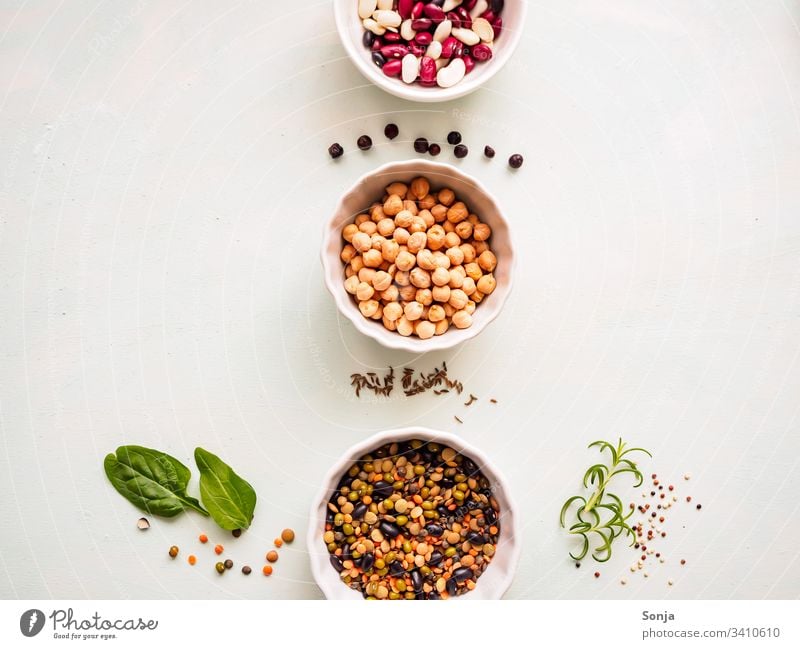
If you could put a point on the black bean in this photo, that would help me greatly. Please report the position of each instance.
(390, 529)
(434, 149)
(488, 151)
(436, 558)
(336, 562)
(382, 490)
(416, 581)
(364, 142)
(438, 3)
(329, 516)
(434, 595)
(347, 553)
(470, 468)
(359, 511)
(378, 59)
(452, 586)
(391, 131)
(454, 137)
(462, 574)
(475, 538)
(335, 150)
(461, 151)
(367, 39)
(491, 516)
(367, 561)
(446, 484)
(421, 145)
(497, 6)
(442, 509)
(434, 530)
(396, 569)
(515, 161)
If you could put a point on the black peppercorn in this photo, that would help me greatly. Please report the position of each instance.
(391, 131)
(364, 142)
(461, 151)
(421, 145)
(335, 150)
(454, 137)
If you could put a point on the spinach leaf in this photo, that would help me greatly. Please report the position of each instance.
(229, 498)
(153, 481)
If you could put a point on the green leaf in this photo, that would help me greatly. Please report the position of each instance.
(229, 498)
(152, 480)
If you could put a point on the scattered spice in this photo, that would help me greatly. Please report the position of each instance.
(425, 382)
(272, 556)
(203, 538)
(267, 570)
(236, 533)
(219, 549)
(596, 575)
(515, 161)
(370, 381)
(192, 559)
(472, 399)
(699, 507)
(219, 567)
(173, 551)
(143, 524)
(492, 400)
(228, 564)
(277, 543)
(458, 419)
(246, 570)
(288, 535)
(434, 149)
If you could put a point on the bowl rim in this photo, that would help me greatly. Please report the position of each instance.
(413, 92)
(329, 583)
(391, 339)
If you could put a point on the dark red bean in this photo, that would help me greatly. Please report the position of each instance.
(423, 38)
(421, 145)
(449, 46)
(392, 37)
(416, 12)
(391, 131)
(497, 26)
(466, 19)
(377, 59)
(454, 137)
(404, 8)
(469, 63)
(377, 44)
(394, 51)
(427, 70)
(461, 151)
(335, 150)
(434, 149)
(393, 68)
(422, 24)
(416, 49)
(481, 52)
(470, 4)
(454, 18)
(488, 151)
(497, 5)
(433, 12)
(368, 38)
(365, 144)
(488, 16)
(515, 162)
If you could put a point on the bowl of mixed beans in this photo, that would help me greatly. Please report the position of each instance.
(413, 513)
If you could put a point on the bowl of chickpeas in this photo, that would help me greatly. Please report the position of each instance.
(418, 256)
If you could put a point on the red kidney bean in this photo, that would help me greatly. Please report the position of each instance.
(466, 19)
(416, 50)
(497, 5)
(392, 37)
(451, 48)
(497, 26)
(454, 18)
(421, 24)
(488, 15)
(469, 63)
(416, 12)
(424, 38)
(481, 52)
(377, 44)
(394, 51)
(404, 8)
(393, 68)
(433, 12)
(427, 71)
(470, 4)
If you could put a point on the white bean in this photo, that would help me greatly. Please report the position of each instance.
(466, 36)
(387, 18)
(366, 8)
(385, 4)
(483, 29)
(480, 7)
(434, 50)
(374, 27)
(452, 74)
(443, 30)
(410, 68)
(449, 5)
(407, 31)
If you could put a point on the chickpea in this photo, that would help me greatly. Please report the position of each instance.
(357, 263)
(476, 297)
(446, 196)
(393, 205)
(473, 270)
(364, 292)
(413, 311)
(381, 281)
(455, 255)
(462, 319)
(392, 311)
(448, 227)
(439, 212)
(376, 212)
(368, 227)
(424, 296)
(391, 325)
(420, 187)
(362, 241)
(411, 206)
(348, 271)
(449, 310)
(481, 231)
(426, 260)
(470, 307)
(420, 278)
(457, 275)
(442, 326)
(386, 227)
(469, 286)
(373, 258)
(405, 260)
(404, 219)
(469, 252)
(487, 261)
(368, 308)
(407, 293)
(348, 252)
(351, 284)
(416, 242)
(425, 329)
(473, 218)
(418, 225)
(366, 275)
(348, 231)
(480, 246)
(441, 293)
(458, 299)
(436, 313)
(464, 229)
(427, 217)
(378, 315)
(452, 240)
(397, 189)
(402, 278)
(360, 219)
(390, 294)
(440, 276)
(390, 249)
(404, 326)
(441, 260)
(401, 236)
(457, 212)
(377, 241)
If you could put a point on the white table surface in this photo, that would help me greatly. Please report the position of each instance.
(164, 181)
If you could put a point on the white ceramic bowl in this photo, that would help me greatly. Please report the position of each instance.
(351, 32)
(497, 578)
(370, 187)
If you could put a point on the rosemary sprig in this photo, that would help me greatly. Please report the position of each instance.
(603, 514)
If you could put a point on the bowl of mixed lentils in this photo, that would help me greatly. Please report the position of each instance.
(413, 513)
